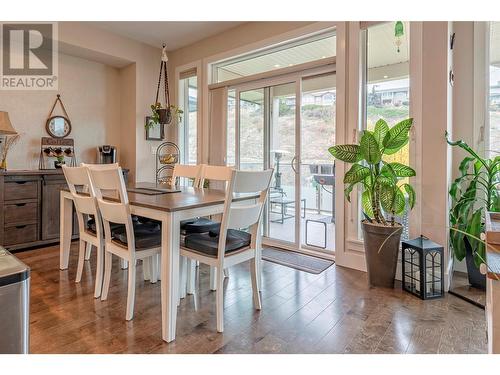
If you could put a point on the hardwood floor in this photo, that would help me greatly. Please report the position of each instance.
(333, 312)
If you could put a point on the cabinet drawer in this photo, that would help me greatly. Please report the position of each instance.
(20, 234)
(20, 213)
(21, 190)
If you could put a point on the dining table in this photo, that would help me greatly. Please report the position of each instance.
(169, 207)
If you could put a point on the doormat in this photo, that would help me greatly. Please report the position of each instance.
(295, 260)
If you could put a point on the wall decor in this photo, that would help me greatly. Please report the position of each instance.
(154, 131)
(54, 152)
(58, 126)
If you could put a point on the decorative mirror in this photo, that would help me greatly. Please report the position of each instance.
(58, 126)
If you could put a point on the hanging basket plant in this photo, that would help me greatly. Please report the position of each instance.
(163, 114)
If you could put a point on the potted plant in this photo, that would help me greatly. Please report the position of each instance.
(472, 195)
(162, 116)
(59, 155)
(384, 194)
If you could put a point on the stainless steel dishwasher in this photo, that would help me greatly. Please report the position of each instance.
(14, 304)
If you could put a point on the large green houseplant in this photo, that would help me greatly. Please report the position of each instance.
(384, 194)
(472, 194)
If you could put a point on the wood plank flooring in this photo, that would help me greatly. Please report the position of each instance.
(333, 312)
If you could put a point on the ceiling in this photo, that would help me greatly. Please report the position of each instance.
(175, 34)
(382, 49)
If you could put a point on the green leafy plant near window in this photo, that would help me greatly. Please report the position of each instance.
(172, 111)
(383, 194)
(472, 194)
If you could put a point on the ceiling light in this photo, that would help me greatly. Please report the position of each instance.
(290, 64)
(323, 57)
(277, 65)
(386, 76)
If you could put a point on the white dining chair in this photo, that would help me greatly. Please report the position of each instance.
(132, 241)
(192, 172)
(231, 245)
(89, 222)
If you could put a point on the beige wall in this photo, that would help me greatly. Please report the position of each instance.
(90, 93)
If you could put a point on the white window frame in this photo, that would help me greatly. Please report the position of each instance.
(180, 100)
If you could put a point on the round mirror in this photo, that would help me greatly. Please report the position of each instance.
(58, 126)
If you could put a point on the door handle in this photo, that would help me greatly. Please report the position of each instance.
(293, 164)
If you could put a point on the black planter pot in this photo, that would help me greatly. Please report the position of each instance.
(165, 115)
(58, 164)
(381, 252)
(476, 278)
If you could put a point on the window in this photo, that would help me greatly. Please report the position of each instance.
(231, 128)
(387, 84)
(494, 93)
(188, 102)
(288, 54)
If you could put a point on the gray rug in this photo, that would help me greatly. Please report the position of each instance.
(295, 260)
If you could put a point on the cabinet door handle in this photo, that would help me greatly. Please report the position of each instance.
(20, 226)
(21, 182)
(20, 204)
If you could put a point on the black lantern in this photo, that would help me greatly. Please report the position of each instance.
(423, 273)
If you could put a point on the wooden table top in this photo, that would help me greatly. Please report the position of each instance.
(187, 198)
(493, 241)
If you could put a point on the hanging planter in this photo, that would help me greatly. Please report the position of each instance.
(163, 114)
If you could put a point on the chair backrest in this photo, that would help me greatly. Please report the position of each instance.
(117, 210)
(84, 199)
(239, 215)
(187, 171)
(215, 173)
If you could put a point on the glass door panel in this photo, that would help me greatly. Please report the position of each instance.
(251, 129)
(282, 124)
(317, 168)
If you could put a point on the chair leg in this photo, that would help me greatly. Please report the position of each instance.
(123, 264)
(213, 281)
(108, 264)
(154, 269)
(220, 299)
(158, 263)
(81, 259)
(191, 276)
(88, 251)
(99, 271)
(131, 290)
(182, 277)
(146, 268)
(255, 286)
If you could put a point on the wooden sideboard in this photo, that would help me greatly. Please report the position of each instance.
(29, 207)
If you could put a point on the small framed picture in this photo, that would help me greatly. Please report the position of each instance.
(155, 132)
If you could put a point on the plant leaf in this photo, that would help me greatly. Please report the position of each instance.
(398, 136)
(347, 153)
(369, 148)
(411, 194)
(381, 130)
(356, 174)
(401, 170)
(366, 203)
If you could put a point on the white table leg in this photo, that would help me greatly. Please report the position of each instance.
(65, 229)
(170, 238)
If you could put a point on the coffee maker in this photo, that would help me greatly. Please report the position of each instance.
(106, 154)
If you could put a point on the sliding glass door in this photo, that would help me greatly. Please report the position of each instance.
(288, 125)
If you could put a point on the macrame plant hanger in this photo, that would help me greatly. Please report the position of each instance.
(164, 113)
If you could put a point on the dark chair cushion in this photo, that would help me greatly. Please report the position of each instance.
(91, 224)
(207, 244)
(199, 225)
(147, 235)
